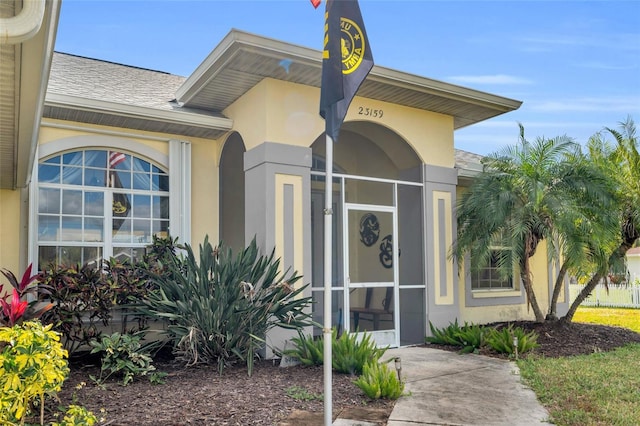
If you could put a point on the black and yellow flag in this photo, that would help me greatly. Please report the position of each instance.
(346, 61)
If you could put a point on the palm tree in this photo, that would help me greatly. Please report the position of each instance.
(622, 164)
(527, 193)
(585, 232)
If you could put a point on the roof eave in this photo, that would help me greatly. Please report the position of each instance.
(237, 42)
(137, 112)
(233, 43)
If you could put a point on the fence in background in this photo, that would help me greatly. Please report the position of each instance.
(618, 296)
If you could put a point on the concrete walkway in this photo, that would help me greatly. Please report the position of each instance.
(446, 388)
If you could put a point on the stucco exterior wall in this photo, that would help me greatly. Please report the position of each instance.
(283, 112)
(10, 225)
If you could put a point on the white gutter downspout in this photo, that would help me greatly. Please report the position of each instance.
(24, 25)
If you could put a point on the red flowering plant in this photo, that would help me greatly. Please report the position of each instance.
(23, 302)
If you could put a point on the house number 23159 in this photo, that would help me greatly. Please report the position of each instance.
(368, 112)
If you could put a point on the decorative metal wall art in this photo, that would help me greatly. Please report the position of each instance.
(386, 251)
(369, 229)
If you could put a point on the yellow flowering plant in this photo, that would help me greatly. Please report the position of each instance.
(77, 416)
(33, 364)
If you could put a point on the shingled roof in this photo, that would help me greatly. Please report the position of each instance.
(100, 92)
(102, 80)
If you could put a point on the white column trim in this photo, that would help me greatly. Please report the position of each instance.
(180, 190)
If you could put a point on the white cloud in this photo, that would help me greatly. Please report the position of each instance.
(490, 79)
(626, 104)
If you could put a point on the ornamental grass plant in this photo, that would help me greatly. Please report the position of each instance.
(379, 381)
(220, 306)
(351, 352)
(470, 337)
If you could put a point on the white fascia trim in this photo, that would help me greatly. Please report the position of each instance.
(236, 42)
(447, 90)
(132, 111)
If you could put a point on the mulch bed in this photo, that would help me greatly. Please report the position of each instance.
(199, 396)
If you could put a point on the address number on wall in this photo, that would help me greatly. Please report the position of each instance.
(369, 112)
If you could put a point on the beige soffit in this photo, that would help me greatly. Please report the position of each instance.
(242, 60)
(75, 108)
(25, 62)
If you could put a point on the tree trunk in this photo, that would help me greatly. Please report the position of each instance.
(557, 288)
(586, 291)
(525, 274)
(619, 253)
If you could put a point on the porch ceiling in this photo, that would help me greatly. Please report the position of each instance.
(242, 60)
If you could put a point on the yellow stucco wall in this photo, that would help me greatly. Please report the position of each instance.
(10, 221)
(205, 179)
(283, 112)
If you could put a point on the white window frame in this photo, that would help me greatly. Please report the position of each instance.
(492, 289)
(177, 164)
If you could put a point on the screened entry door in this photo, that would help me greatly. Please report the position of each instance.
(371, 293)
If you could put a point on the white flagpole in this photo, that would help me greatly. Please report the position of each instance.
(328, 225)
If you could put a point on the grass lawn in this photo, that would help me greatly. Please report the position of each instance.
(597, 389)
(628, 318)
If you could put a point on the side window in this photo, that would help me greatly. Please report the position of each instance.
(489, 277)
(95, 204)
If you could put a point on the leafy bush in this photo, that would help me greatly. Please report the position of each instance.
(122, 355)
(77, 416)
(32, 364)
(80, 300)
(470, 337)
(446, 335)
(350, 354)
(24, 303)
(220, 307)
(308, 349)
(84, 297)
(379, 381)
(502, 340)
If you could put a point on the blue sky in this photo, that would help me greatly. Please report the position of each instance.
(574, 64)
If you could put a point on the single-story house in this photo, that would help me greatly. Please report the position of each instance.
(97, 157)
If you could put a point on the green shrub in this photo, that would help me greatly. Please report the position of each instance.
(81, 302)
(502, 340)
(77, 416)
(123, 355)
(23, 304)
(32, 364)
(470, 337)
(84, 297)
(308, 349)
(352, 351)
(220, 307)
(446, 335)
(379, 381)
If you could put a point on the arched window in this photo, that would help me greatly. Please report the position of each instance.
(93, 204)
